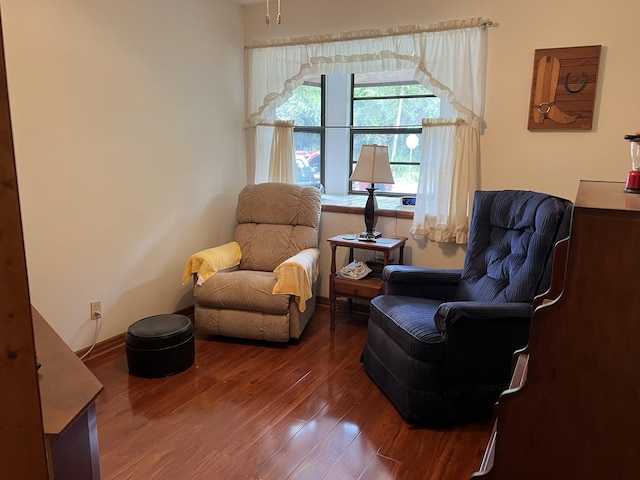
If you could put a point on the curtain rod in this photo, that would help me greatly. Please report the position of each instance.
(351, 127)
(367, 34)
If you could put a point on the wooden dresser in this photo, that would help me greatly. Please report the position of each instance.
(573, 409)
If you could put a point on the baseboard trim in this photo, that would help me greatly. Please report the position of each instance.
(102, 348)
(118, 341)
(322, 300)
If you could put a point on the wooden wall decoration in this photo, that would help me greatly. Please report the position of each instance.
(563, 88)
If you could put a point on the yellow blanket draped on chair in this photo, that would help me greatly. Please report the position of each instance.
(296, 276)
(207, 262)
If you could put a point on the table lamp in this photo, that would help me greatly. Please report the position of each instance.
(372, 167)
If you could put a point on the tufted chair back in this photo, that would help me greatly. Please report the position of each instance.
(513, 234)
(267, 233)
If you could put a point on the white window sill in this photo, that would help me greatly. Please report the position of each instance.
(354, 204)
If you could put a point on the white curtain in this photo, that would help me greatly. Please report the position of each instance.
(264, 137)
(275, 153)
(448, 180)
(448, 58)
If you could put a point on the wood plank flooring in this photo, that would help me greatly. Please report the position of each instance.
(250, 410)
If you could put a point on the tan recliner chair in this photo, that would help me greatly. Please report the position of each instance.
(263, 284)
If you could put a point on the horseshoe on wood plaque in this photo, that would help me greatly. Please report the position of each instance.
(585, 80)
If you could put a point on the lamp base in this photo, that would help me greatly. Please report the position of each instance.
(369, 236)
(370, 217)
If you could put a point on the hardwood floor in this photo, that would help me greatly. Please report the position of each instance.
(252, 411)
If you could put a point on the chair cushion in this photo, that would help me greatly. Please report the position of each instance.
(512, 237)
(408, 322)
(242, 290)
(262, 203)
(269, 234)
(265, 246)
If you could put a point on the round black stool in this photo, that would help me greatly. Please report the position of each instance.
(160, 346)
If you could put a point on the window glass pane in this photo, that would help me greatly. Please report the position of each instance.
(307, 145)
(405, 153)
(406, 178)
(394, 112)
(390, 90)
(304, 107)
(403, 148)
(388, 108)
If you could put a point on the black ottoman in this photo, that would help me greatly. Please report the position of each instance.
(160, 346)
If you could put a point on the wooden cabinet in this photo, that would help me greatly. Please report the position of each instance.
(573, 409)
(68, 391)
(365, 288)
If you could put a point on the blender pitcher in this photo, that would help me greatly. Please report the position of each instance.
(633, 178)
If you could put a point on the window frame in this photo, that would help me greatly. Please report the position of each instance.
(316, 129)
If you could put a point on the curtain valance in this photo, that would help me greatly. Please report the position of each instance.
(448, 58)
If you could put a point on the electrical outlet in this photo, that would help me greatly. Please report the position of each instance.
(96, 310)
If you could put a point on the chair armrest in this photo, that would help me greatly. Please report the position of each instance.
(296, 275)
(438, 284)
(207, 262)
(480, 340)
(450, 314)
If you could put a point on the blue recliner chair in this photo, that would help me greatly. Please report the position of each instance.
(440, 342)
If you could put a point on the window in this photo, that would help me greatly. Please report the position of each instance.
(391, 113)
(336, 114)
(305, 108)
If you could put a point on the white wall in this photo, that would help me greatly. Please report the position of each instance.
(127, 121)
(512, 157)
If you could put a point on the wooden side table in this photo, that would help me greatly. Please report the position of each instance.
(365, 288)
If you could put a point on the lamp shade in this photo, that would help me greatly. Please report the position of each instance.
(373, 165)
